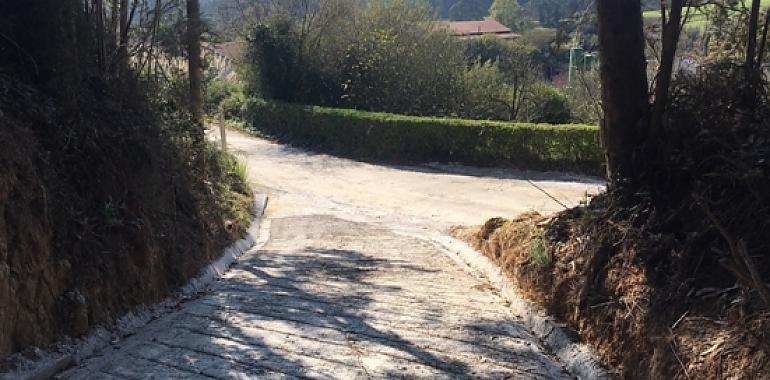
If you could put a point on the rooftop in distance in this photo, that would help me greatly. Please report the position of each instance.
(475, 29)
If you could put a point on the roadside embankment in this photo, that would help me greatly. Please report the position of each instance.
(606, 278)
(100, 211)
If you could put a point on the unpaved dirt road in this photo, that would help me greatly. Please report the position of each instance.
(348, 284)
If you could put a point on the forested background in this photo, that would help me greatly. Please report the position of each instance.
(391, 56)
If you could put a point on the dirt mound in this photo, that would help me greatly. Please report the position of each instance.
(99, 213)
(603, 274)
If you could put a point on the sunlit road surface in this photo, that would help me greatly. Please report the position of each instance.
(348, 284)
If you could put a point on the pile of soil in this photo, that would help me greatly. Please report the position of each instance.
(605, 275)
(99, 212)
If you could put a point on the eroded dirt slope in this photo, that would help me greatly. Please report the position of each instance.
(98, 214)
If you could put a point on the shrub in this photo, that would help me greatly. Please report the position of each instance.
(232, 107)
(486, 94)
(547, 104)
(226, 97)
(228, 183)
(398, 138)
(217, 90)
(538, 251)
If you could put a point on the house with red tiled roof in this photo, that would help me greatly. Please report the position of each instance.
(475, 29)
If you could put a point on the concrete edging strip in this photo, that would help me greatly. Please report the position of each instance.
(578, 358)
(69, 354)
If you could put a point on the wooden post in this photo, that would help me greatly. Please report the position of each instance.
(223, 131)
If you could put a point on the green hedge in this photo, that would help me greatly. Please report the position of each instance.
(398, 138)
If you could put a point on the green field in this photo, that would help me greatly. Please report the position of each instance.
(697, 18)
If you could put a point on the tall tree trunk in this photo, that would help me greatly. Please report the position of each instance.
(753, 73)
(751, 39)
(153, 40)
(123, 38)
(114, 26)
(671, 31)
(763, 41)
(624, 89)
(100, 35)
(194, 60)
(195, 72)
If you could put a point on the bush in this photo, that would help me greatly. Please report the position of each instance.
(487, 96)
(226, 97)
(547, 104)
(397, 138)
(232, 107)
(217, 90)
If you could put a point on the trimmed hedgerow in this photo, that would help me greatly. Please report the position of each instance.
(398, 138)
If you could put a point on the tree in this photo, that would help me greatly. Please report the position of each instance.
(273, 52)
(521, 72)
(510, 14)
(442, 7)
(624, 89)
(194, 64)
(751, 41)
(465, 10)
(486, 96)
(398, 64)
(383, 56)
(122, 63)
(506, 73)
(672, 28)
(195, 71)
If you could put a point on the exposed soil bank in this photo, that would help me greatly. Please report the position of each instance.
(99, 213)
(644, 322)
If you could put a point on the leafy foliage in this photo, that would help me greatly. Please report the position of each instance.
(538, 251)
(387, 56)
(393, 61)
(722, 162)
(547, 104)
(503, 83)
(467, 10)
(272, 50)
(510, 14)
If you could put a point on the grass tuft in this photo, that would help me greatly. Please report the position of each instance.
(538, 251)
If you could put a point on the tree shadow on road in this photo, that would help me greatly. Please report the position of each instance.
(298, 327)
(376, 312)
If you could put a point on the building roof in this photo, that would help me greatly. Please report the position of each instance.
(472, 29)
(232, 50)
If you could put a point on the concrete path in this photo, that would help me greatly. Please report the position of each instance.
(348, 284)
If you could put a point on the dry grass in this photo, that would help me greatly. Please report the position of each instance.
(604, 281)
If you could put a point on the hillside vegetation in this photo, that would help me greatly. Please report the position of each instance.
(101, 207)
